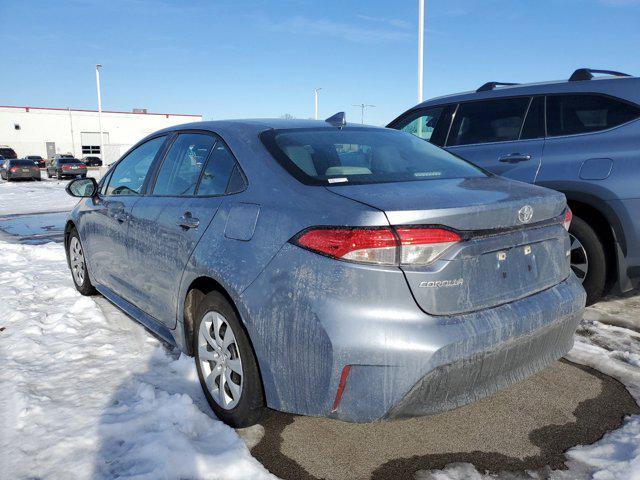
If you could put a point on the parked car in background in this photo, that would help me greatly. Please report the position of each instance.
(37, 159)
(386, 278)
(580, 137)
(92, 161)
(64, 166)
(2, 160)
(7, 152)
(19, 169)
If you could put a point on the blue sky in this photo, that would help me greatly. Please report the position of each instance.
(259, 58)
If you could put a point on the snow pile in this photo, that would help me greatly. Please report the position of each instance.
(84, 395)
(44, 196)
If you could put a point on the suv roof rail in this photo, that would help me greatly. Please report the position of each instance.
(587, 74)
(491, 85)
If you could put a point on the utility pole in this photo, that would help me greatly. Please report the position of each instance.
(362, 107)
(102, 153)
(420, 47)
(315, 94)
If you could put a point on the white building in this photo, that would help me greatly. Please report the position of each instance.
(47, 131)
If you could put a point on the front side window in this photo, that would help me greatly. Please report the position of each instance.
(324, 156)
(573, 114)
(128, 176)
(220, 170)
(181, 167)
(488, 121)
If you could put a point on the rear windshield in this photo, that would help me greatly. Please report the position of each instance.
(22, 163)
(69, 160)
(325, 156)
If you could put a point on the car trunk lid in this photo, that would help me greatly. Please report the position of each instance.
(513, 243)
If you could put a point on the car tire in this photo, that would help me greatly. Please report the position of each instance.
(78, 265)
(215, 318)
(590, 246)
(58, 175)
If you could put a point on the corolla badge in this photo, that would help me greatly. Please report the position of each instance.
(525, 214)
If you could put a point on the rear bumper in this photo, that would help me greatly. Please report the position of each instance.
(23, 176)
(468, 357)
(455, 384)
(309, 317)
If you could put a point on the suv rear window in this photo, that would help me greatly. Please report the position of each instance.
(573, 114)
(324, 156)
(488, 121)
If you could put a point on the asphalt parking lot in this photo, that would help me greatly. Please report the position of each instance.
(525, 427)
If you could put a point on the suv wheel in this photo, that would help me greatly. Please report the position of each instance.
(588, 260)
(226, 364)
(78, 265)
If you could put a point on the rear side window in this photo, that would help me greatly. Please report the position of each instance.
(221, 169)
(129, 174)
(573, 114)
(423, 125)
(488, 121)
(326, 156)
(181, 167)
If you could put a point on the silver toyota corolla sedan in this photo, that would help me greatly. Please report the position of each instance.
(329, 269)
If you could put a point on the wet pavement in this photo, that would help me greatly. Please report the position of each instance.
(525, 427)
(34, 229)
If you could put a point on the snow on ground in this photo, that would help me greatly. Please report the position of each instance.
(84, 395)
(48, 195)
(32, 197)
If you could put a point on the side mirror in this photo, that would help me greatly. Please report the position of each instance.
(82, 187)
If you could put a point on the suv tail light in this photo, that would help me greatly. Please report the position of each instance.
(568, 216)
(13, 169)
(381, 246)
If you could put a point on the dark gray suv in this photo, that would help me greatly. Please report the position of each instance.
(580, 136)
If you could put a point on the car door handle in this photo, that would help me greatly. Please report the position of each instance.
(188, 221)
(514, 158)
(120, 217)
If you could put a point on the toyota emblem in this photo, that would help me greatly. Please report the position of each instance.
(525, 214)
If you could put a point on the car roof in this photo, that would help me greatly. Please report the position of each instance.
(623, 87)
(257, 125)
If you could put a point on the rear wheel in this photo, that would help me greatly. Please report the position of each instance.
(227, 367)
(58, 175)
(588, 260)
(78, 265)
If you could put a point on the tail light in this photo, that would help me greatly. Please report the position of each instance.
(421, 246)
(13, 169)
(381, 246)
(568, 216)
(66, 167)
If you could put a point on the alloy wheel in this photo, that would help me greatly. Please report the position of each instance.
(219, 358)
(579, 259)
(76, 258)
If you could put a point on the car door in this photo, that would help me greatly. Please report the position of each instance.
(505, 136)
(167, 224)
(105, 223)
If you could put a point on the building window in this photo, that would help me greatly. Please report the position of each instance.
(90, 149)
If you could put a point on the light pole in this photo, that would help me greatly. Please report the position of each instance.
(363, 106)
(420, 47)
(102, 155)
(315, 94)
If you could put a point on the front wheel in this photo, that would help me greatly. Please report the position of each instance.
(227, 367)
(588, 260)
(78, 265)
